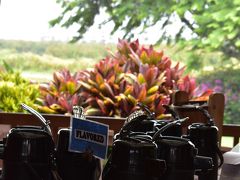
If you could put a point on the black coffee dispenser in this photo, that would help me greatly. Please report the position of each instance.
(75, 165)
(205, 138)
(180, 155)
(28, 152)
(133, 159)
(150, 125)
(134, 155)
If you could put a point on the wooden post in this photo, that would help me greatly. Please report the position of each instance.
(215, 107)
(216, 104)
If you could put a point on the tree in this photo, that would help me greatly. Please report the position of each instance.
(212, 23)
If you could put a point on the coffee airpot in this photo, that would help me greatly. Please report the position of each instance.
(28, 152)
(205, 138)
(134, 155)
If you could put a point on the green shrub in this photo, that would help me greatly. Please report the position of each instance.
(15, 90)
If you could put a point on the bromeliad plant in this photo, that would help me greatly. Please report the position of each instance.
(60, 95)
(133, 74)
(117, 83)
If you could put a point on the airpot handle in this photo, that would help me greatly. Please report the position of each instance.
(45, 123)
(158, 133)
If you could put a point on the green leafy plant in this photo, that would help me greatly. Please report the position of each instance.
(15, 90)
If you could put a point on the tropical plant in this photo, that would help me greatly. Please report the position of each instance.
(117, 83)
(59, 95)
(133, 74)
(15, 90)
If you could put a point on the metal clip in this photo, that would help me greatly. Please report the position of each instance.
(135, 115)
(78, 112)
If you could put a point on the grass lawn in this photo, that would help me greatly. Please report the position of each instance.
(39, 60)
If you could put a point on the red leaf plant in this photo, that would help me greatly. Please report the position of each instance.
(60, 95)
(133, 74)
(117, 83)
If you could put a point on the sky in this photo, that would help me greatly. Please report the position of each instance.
(28, 20)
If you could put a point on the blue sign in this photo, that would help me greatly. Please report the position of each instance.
(88, 136)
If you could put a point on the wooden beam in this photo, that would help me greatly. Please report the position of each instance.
(56, 121)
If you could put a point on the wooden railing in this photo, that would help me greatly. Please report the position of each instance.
(232, 130)
(61, 121)
(56, 121)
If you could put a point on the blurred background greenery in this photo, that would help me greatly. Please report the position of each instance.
(203, 35)
(38, 60)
